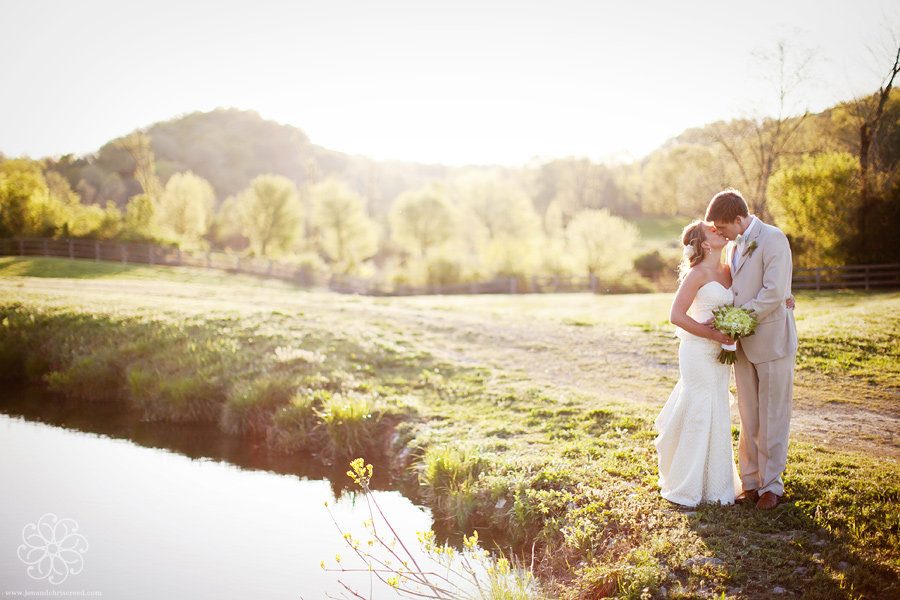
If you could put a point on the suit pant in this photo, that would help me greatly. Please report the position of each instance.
(765, 395)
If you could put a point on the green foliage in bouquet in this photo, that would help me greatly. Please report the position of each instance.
(735, 322)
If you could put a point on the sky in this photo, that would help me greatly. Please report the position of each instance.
(455, 82)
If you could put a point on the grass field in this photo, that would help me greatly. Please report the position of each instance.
(662, 230)
(528, 418)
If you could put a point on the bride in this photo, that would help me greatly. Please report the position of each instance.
(696, 457)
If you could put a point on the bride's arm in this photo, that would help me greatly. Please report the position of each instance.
(682, 302)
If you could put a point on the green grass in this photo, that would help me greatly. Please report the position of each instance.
(851, 334)
(63, 268)
(643, 310)
(569, 475)
(664, 230)
(77, 269)
(662, 234)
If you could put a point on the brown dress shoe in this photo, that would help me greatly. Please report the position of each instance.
(747, 497)
(768, 501)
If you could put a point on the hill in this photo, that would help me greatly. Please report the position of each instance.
(229, 147)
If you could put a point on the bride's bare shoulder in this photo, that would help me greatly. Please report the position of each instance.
(694, 280)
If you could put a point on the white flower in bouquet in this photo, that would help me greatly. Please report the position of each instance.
(735, 322)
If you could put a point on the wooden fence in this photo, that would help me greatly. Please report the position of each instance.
(147, 254)
(855, 276)
(563, 283)
(820, 278)
(302, 275)
(347, 284)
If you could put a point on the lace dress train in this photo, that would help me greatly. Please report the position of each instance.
(696, 456)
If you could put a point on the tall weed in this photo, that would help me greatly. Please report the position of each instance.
(351, 423)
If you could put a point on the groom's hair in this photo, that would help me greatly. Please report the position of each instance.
(727, 206)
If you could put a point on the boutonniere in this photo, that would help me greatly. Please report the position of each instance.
(750, 249)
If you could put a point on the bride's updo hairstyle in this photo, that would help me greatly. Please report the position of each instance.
(691, 238)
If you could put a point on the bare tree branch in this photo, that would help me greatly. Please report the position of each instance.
(770, 138)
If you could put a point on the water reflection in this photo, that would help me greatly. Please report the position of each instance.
(195, 441)
(168, 518)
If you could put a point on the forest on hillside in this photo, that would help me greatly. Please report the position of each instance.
(228, 179)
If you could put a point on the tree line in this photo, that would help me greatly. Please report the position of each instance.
(229, 179)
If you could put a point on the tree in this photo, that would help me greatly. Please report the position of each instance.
(36, 204)
(758, 144)
(347, 236)
(569, 186)
(499, 223)
(680, 180)
(870, 125)
(138, 147)
(496, 209)
(59, 188)
(422, 219)
(813, 203)
(186, 207)
(140, 220)
(113, 189)
(601, 243)
(77, 220)
(869, 113)
(91, 222)
(268, 213)
(110, 222)
(26, 206)
(20, 181)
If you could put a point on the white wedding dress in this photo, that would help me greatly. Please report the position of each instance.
(696, 457)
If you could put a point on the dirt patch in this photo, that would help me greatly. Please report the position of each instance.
(633, 364)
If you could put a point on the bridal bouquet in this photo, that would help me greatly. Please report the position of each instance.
(735, 322)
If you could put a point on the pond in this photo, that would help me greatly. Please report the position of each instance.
(154, 510)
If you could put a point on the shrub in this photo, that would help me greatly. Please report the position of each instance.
(250, 406)
(350, 424)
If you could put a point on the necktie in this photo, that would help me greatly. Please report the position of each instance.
(738, 243)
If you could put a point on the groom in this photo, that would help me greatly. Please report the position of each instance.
(761, 266)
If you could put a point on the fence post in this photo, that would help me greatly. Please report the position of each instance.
(818, 289)
(124, 254)
(237, 264)
(71, 251)
(867, 277)
(150, 250)
(513, 283)
(46, 247)
(96, 251)
(593, 283)
(178, 251)
(21, 247)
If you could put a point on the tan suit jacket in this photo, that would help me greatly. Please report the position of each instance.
(761, 282)
(764, 371)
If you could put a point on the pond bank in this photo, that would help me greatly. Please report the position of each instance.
(573, 474)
